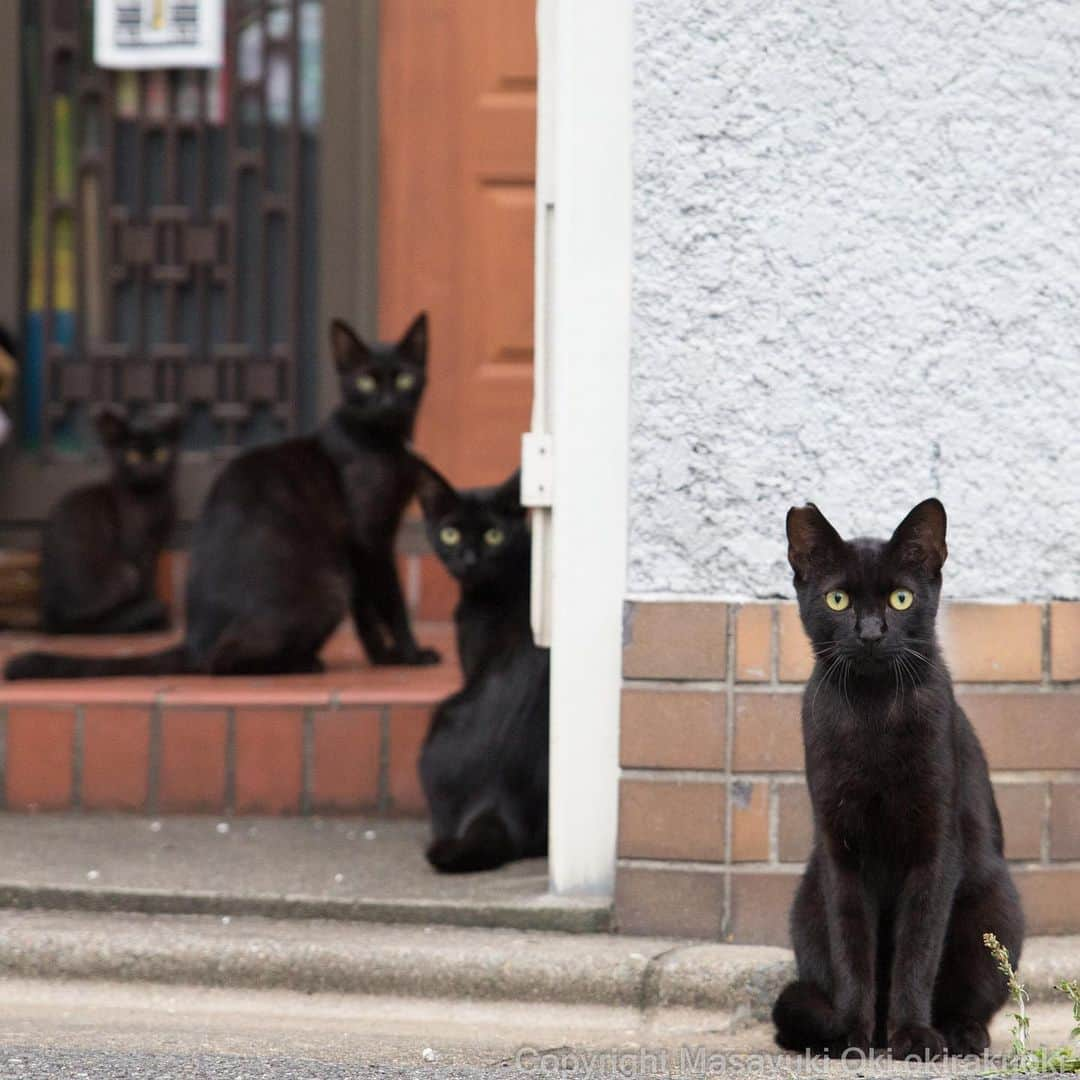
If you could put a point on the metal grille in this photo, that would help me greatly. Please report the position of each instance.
(170, 250)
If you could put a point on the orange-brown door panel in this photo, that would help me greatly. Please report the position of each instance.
(457, 202)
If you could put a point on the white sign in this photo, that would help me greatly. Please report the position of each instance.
(159, 33)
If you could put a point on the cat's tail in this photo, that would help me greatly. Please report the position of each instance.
(805, 1019)
(485, 844)
(44, 665)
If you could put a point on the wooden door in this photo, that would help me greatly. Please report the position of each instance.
(457, 87)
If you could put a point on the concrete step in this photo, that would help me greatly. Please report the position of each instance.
(733, 983)
(346, 740)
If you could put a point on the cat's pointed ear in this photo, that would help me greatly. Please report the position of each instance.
(170, 423)
(919, 539)
(414, 343)
(507, 495)
(812, 541)
(112, 425)
(437, 496)
(348, 348)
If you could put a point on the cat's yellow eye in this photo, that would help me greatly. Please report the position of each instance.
(133, 456)
(365, 384)
(838, 600)
(450, 536)
(161, 455)
(901, 599)
(493, 537)
(405, 381)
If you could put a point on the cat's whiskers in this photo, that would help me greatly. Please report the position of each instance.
(826, 650)
(830, 667)
(894, 664)
(931, 663)
(905, 672)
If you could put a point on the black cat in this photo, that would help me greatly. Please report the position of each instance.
(484, 764)
(907, 871)
(295, 534)
(101, 543)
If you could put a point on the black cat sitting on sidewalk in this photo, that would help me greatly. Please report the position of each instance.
(484, 764)
(907, 870)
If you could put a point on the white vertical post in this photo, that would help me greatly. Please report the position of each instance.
(583, 342)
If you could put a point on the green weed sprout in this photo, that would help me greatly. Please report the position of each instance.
(1060, 1059)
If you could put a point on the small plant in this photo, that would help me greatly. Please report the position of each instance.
(1061, 1059)
(1072, 988)
(1021, 1025)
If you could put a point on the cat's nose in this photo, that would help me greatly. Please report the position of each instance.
(871, 629)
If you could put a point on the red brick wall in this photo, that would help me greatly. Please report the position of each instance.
(713, 812)
(262, 758)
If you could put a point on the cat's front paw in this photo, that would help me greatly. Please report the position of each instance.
(918, 1041)
(424, 657)
(857, 1041)
(965, 1035)
(415, 657)
(156, 617)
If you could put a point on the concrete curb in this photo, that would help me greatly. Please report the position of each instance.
(426, 962)
(565, 915)
(648, 974)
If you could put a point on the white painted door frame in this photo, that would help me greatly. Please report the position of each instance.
(575, 459)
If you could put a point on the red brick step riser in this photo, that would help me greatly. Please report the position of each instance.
(258, 759)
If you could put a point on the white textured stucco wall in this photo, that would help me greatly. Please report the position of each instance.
(856, 276)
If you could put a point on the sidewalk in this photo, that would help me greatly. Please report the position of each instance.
(350, 907)
(327, 868)
(331, 905)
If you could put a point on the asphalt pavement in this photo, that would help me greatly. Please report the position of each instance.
(107, 1031)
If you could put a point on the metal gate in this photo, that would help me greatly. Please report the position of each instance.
(169, 239)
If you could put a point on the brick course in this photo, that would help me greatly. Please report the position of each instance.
(407, 730)
(1065, 820)
(749, 821)
(39, 764)
(1064, 641)
(669, 901)
(673, 729)
(796, 822)
(754, 643)
(1017, 665)
(768, 733)
(192, 776)
(1027, 731)
(993, 642)
(675, 641)
(345, 763)
(1023, 812)
(115, 758)
(672, 819)
(795, 661)
(269, 760)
